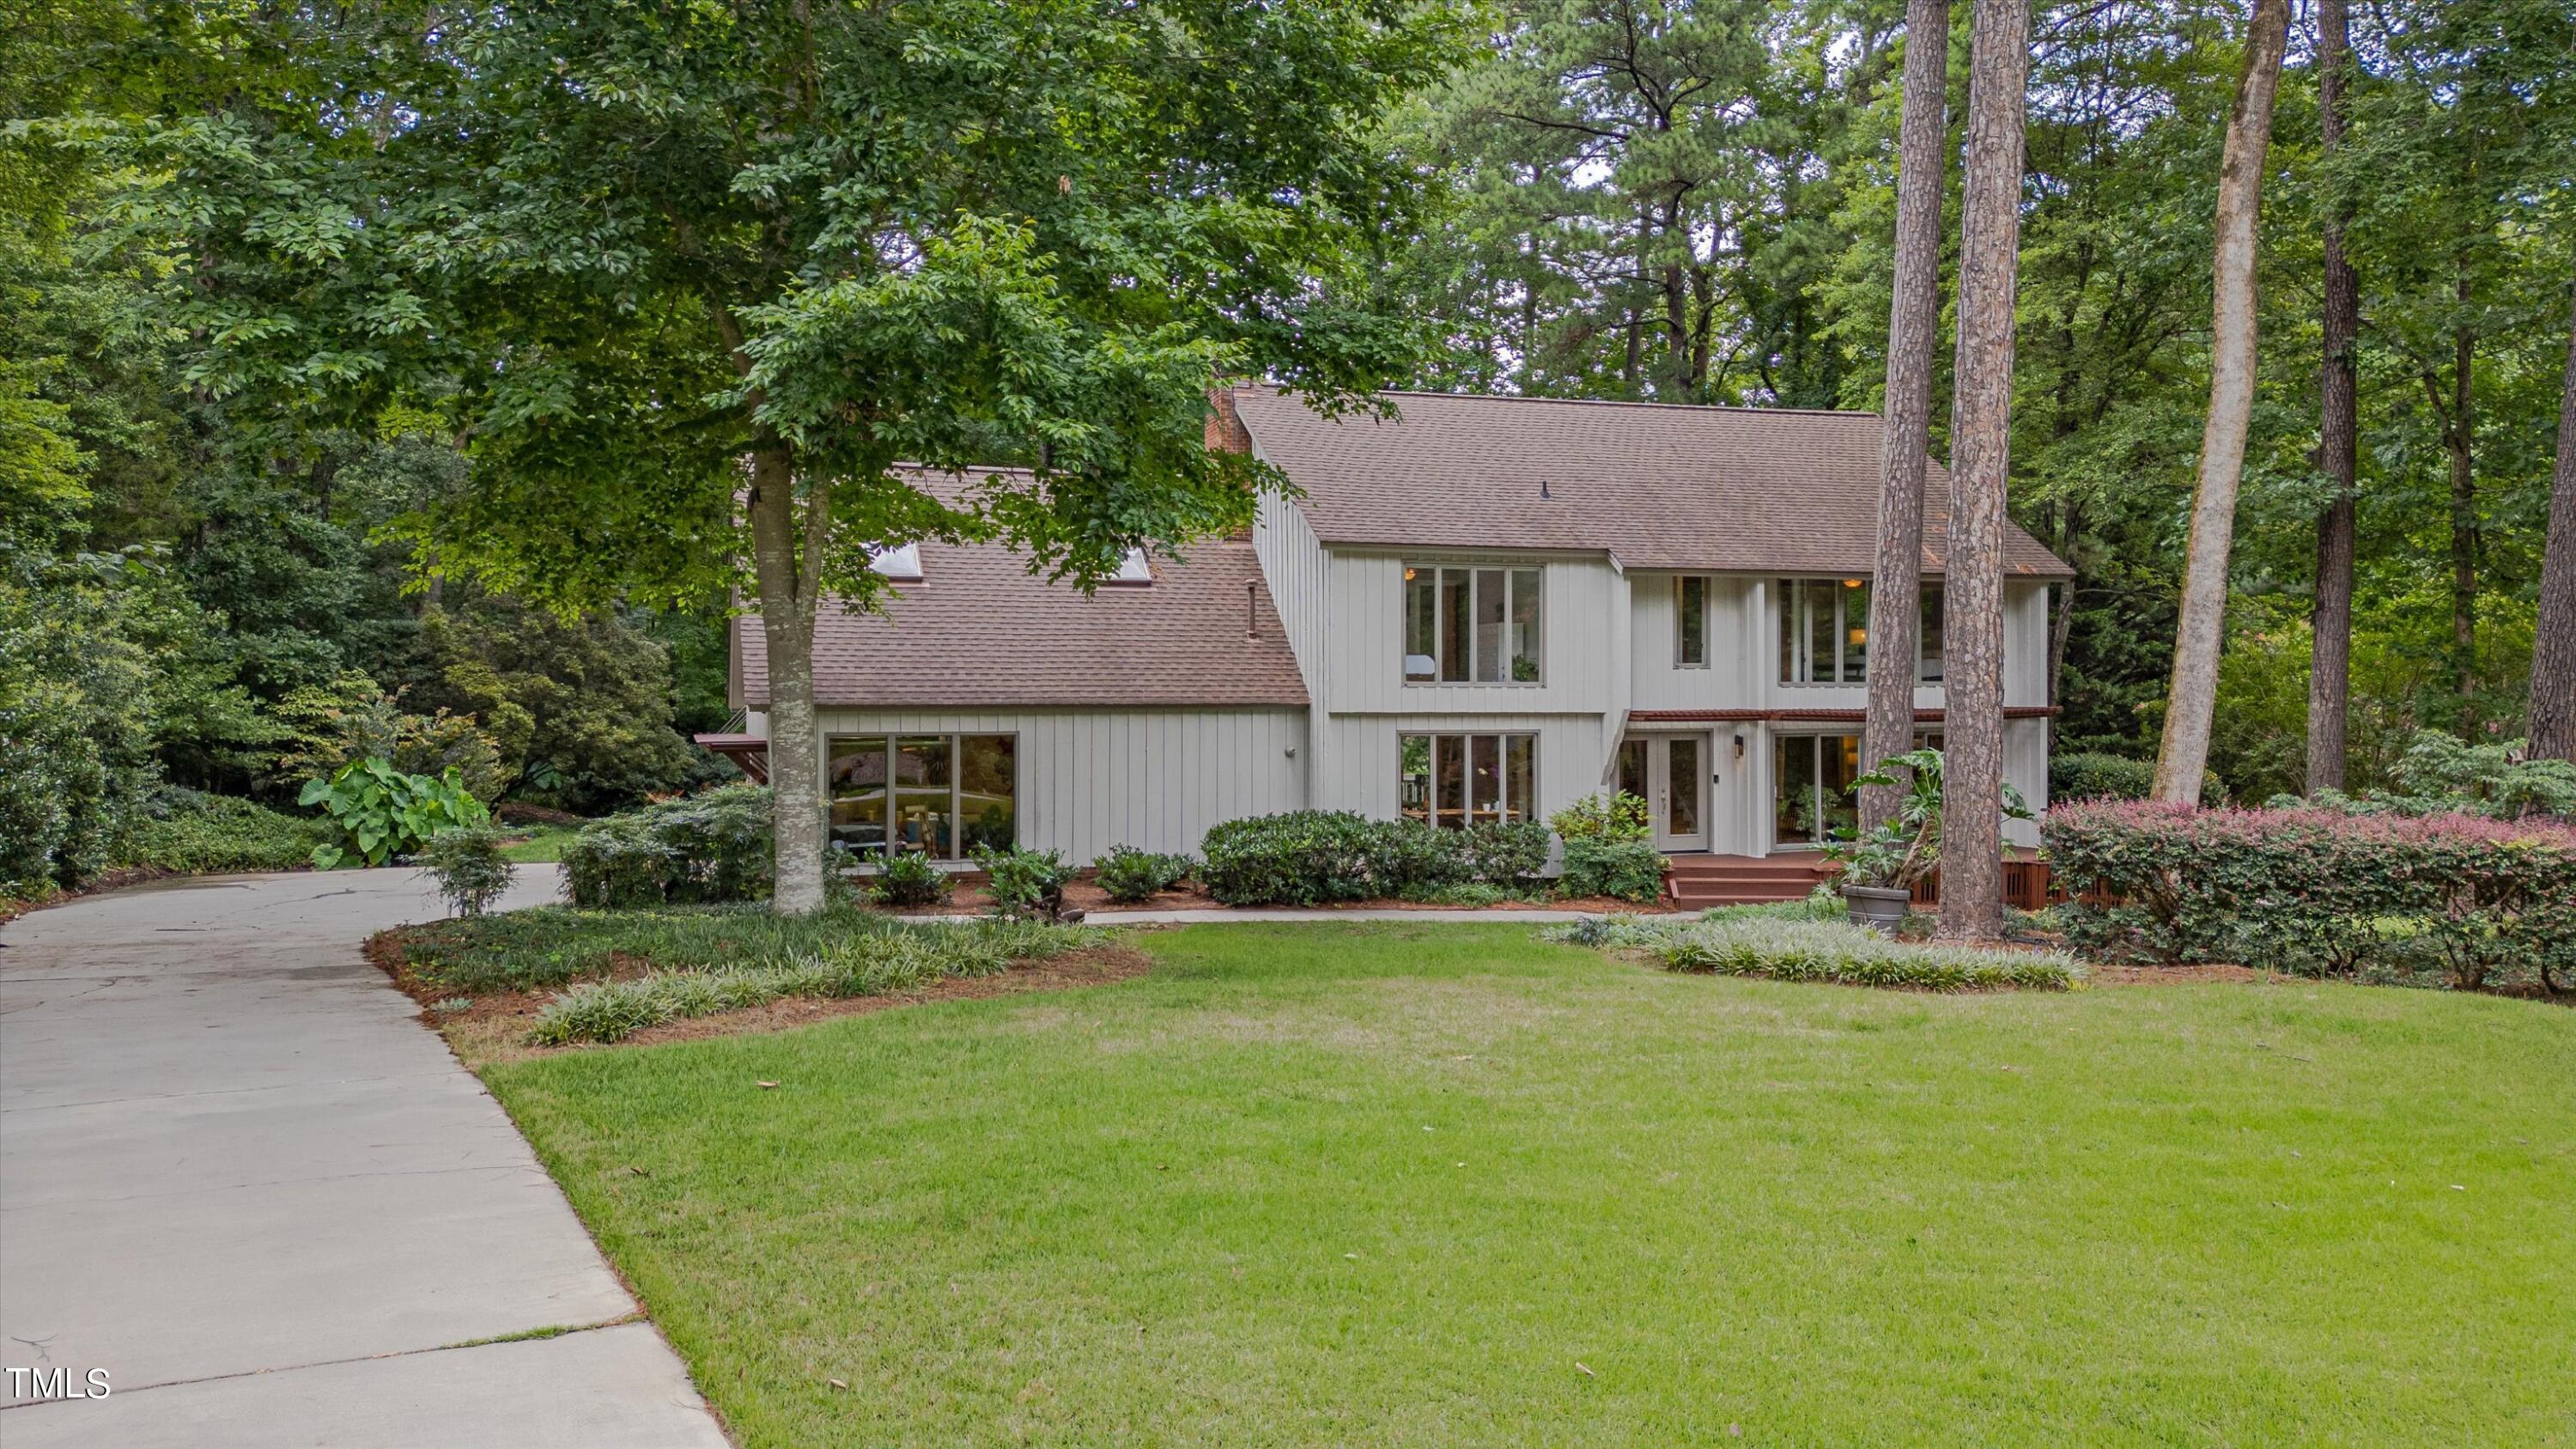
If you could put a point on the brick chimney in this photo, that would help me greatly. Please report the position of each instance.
(1225, 432)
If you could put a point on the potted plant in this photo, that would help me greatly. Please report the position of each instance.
(1882, 867)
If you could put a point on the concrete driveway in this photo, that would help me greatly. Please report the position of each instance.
(241, 1179)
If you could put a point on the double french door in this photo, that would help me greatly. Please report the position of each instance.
(1670, 773)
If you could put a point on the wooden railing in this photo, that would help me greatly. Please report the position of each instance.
(2026, 886)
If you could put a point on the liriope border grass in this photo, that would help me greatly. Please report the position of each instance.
(1796, 941)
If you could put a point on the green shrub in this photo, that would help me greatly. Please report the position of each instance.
(1615, 817)
(1022, 881)
(470, 867)
(2439, 774)
(1629, 870)
(1301, 858)
(190, 831)
(1307, 857)
(2318, 890)
(910, 879)
(2096, 775)
(1130, 875)
(382, 812)
(709, 847)
(1409, 858)
(1505, 854)
(861, 962)
(1810, 950)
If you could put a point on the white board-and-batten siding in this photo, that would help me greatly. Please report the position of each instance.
(1154, 779)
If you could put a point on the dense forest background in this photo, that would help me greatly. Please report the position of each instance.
(207, 581)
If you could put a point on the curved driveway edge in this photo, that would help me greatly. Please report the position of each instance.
(239, 1176)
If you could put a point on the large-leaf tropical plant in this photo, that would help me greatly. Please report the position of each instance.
(1906, 847)
(383, 812)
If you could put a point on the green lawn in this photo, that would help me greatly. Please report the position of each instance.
(544, 844)
(1444, 1185)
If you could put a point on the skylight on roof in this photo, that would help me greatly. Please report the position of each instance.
(1135, 568)
(901, 562)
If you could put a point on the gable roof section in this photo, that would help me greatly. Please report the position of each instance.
(979, 630)
(1752, 490)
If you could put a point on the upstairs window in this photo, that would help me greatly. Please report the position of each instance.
(901, 562)
(1470, 625)
(1824, 632)
(1690, 611)
(1135, 568)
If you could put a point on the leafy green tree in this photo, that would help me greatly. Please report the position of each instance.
(692, 281)
(580, 708)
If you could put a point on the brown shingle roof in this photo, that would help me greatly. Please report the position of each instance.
(979, 631)
(1660, 487)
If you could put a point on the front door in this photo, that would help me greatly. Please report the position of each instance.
(1670, 773)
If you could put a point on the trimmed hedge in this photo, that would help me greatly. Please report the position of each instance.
(708, 847)
(2318, 891)
(1624, 870)
(1308, 857)
(2094, 775)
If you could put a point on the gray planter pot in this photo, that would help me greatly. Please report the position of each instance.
(1880, 906)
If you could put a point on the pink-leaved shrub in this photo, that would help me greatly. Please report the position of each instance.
(2318, 890)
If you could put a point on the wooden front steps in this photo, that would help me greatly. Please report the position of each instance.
(1696, 882)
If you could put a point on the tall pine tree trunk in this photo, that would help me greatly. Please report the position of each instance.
(2464, 512)
(2193, 698)
(1914, 318)
(2553, 645)
(2338, 439)
(787, 541)
(1981, 434)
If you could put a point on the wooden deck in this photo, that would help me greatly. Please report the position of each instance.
(1696, 882)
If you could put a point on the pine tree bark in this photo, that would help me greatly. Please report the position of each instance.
(2464, 513)
(788, 537)
(2553, 645)
(1981, 435)
(1914, 320)
(2338, 439)
(2192, 699)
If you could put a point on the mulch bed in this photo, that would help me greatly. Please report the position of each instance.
(495, 1026)
(970, 896)
(2177, 975)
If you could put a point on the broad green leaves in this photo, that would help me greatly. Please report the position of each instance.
(383, 812)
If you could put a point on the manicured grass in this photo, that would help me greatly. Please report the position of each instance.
(1413, 1184)
(544, 845)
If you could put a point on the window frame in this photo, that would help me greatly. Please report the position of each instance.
(1436, 753)
(1466, 638)
(1681, 621)
(891, 742)
(1796, 634)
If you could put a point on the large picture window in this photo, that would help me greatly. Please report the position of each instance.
(1471, 625)
(1812, 790)
(1460, 780)
(935, 795)
(1824, 632)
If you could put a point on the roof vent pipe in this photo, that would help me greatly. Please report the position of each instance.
(1251, 610)
(1542, 489)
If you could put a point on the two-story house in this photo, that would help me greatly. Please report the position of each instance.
(1483, 609)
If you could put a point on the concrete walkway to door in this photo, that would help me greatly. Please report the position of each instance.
(239, 1177)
